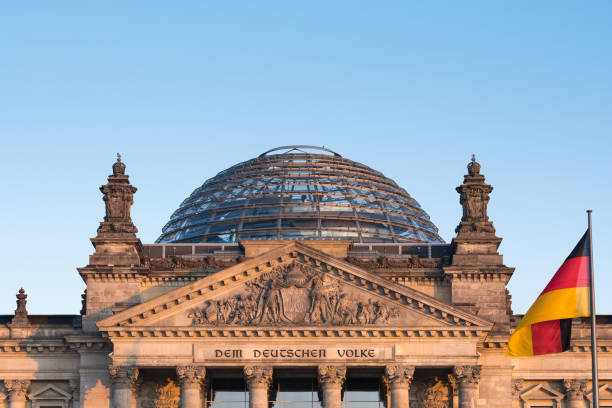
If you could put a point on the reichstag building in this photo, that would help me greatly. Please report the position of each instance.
(297, 279)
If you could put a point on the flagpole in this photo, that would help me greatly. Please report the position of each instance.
(593, 321)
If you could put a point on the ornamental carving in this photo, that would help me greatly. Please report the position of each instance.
(414, 261)
(258, 375)
(293, 294)
(332, 374)
(179, 262)
(517, 386)
(431, 393)
(190, 375)
(399, 374)
(436, 394)
(574, 389)
(155, 395)
(123, 375)
(467, 375)
(474, 198)
(17, 388)
(118, 199)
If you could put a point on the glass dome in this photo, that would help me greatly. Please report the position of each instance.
(299, 192)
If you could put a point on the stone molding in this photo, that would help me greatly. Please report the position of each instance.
(467, 374)
(123, 376)
(331, 374)
(257, 375)
(234, 276)
(399, 374)
(17, 389)
(574, 389)
(190, 375)
(299, 332)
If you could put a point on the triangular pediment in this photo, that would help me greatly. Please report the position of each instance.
(541, 392)
(294, 287)
(50, 392)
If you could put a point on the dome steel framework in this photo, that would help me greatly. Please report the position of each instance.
(304, 192)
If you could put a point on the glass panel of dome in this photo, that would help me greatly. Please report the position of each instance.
(331, 211)
(375, 238)
(340, 234)
(226, 215)
(299, 198)
(372, 227)
(296, 209)
(190, 232)
(375, 215)
(404, 232)
(259, 235)
(232, 203)
(222, 227)
(198, 220)
(299, 223)
(338, 224)
(400, 220)
(259, 211)
(225, 238)
(264, 224)
(266, 199)
(298, 234)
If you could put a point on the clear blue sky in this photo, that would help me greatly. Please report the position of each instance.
(185, 89)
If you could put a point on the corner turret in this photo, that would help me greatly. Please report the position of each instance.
(477, 272)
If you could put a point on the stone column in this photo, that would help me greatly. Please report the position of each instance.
(191, 378)
(123, 381)
(574, 392)
(17, 390)
(331, 379)
(258, 379)
(467, 378)
(399, 378)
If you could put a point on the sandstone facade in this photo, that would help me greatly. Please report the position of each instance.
(162, 322)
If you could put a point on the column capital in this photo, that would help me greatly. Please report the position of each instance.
(332, 374)
(258, 375)
(467, 374)
(188, 375)
(17, 389)
(399, 374)
(574, 388)
(123, 376)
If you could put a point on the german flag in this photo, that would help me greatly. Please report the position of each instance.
(546, 327)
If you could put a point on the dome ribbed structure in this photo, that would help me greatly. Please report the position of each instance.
(304, 192)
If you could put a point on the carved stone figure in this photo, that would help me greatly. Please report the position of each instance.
(21, 314)
(168, 396)
(292, 294)
(436, 394)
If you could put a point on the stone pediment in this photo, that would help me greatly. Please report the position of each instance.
(294, 287)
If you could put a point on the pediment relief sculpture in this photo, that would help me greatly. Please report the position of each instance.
(293, 294)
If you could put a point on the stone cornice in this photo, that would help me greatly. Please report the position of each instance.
(58, 345)
(251, 268)
(479, 273)
(473, 333)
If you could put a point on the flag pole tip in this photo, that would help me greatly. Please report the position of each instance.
(589, 211)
